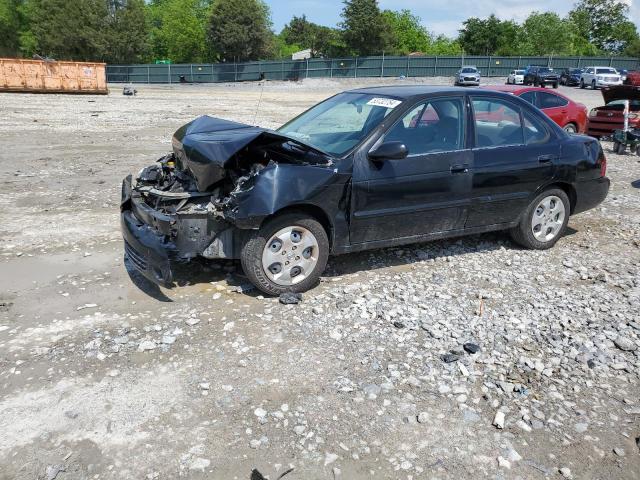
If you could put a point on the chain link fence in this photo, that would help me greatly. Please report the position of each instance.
(377, 66)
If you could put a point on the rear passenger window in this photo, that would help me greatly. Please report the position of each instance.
(431, 127)
(497, 123)
(534, 130)
(549, 100)
(529, 97)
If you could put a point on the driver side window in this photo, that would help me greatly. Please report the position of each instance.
(430, 127)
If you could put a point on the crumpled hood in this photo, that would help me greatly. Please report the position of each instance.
(206, 147)
(620, 92)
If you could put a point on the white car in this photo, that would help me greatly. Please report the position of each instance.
(600, 77)
(516, 77)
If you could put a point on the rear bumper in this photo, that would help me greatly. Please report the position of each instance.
(590, 193)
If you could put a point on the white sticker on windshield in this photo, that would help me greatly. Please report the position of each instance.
(384, 102)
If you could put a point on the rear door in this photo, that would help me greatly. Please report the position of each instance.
(426, 192)
(554, 106)
(515, 153)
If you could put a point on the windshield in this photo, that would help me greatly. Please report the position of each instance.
(607, 70)
(576, 71)
(633, 104)
(519, 72)
(468, 70)
(338, 124)
(545, 70)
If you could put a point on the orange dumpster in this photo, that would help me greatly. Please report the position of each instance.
(48, 76)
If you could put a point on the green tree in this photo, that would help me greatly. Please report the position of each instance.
(364, 29)
(323, 41)
(545, 34)
(65, 30)
(178, 30)
(127, 32)
(241, 29)
(443, 45)
(633, 49)
(407, 32)
(604, 23)
(9, 28)
(489, 36)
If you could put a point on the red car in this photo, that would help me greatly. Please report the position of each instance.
(570, 115)
(604, 120)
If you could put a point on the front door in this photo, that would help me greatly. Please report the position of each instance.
(515, 154)
(426, 192)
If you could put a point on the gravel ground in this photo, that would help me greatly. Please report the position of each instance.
(468, 358)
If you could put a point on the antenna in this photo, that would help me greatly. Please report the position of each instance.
(259, 102)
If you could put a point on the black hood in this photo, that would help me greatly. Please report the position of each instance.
(208, 148)
(620, 92)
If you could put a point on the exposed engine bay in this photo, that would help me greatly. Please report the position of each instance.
(188, 203)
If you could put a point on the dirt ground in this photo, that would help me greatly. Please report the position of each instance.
(105, 376)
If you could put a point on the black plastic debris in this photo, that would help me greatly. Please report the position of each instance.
(398, 324)
(290, 298)
(471, 347)
(449, 358)
(256, 475)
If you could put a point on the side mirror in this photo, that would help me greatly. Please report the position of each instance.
(389, 151)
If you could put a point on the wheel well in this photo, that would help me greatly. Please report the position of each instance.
(313, 211)
(570, 191)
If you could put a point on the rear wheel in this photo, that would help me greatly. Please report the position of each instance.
(555, 84)
(619, 147)
(288, 254)
(544, 221)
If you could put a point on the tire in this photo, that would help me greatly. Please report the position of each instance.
(619, 148)
(570, 128)
(254, 254)
(593, 85)
(582, 85)
(555, 84)
(535, 82)
(523, 234)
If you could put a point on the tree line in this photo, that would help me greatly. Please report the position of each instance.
(191, 31)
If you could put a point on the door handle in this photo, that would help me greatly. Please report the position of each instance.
(546, 158)
(460, 168)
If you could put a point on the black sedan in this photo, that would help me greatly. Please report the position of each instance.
(367, 168)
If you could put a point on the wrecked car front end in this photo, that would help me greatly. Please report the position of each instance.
(220, 181)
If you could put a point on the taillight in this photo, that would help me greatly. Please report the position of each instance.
(632, 116)
(602, 161)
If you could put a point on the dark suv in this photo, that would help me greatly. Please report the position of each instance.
(541, 76)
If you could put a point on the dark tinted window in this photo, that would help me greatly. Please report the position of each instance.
(549, 100)
(529, 97)
(430, 127)
(497, 123)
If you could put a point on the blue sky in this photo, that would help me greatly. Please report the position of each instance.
(439, 16)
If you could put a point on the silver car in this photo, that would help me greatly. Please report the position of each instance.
(467, 75)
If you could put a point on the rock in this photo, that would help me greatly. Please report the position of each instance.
(299, 429)
(471, 348)
(498, 420)
(581, 427)
(423, 417)
(168, 339)
(449, 358)
(290, 298)
(504, 463)
(329, 458)
(199, 463)
(619, 451)
(260, 412)
(52, 471)
(513, 456)
(565, 472)
(204, 386)
(624, 344)
(146, 345)
(191, 321)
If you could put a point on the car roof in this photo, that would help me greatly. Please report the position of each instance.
(516, 89)
(409, 91)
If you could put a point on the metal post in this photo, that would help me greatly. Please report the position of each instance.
(382, 66)
(331, 68)
(148, 75)
(282, 69)
(489, 66)
(307, 73)
(579, 61)
(169, 73)
(519, 62)
(611, 61)
(213, 77)
(355, 70)
(191, 69)
(435, 67)
(235, 70)
(407, 75)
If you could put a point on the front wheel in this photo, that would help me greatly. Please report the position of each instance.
(287, 254)
(570, 128)
(582, 83)
(544, 221)
(555, 84)
(593, 84)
